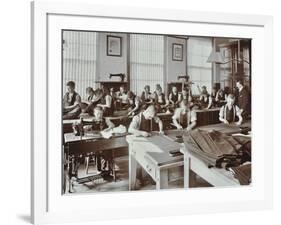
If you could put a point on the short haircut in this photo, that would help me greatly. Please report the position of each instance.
(99, 91)
(231, 96)
(239, 81)
(158, 87)
(70, 84)
(89, 89)
(130, 94)
(226, 90)
(106, 90)
(147, 87)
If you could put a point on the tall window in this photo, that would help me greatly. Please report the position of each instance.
(79, 59)
(146, 61)
(199, 70)
(226, 68)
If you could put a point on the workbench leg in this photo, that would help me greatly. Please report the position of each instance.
(186, 171)
(113, 165)
(70, 173)
(87, 160)
(192, 179)
(132, 171)
(162, 179)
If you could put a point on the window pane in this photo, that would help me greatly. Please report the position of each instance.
(79, 59)
(199, 70)
(146, 61)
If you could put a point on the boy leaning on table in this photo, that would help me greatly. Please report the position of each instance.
(141, 123)
(141, 126)
(229, 112)
(184, 115)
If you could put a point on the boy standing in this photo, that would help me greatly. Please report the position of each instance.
(229, 112)
(243, 98)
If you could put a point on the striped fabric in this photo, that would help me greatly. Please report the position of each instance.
(146, 61)
(79, 60)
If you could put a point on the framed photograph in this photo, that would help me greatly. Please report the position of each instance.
(177, 52)
(114, 46)
(98, 139)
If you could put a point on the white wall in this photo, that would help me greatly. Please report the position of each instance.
(110, 64)
(15, 75)
(175, 68)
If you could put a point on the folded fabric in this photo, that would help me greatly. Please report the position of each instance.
(215, 148)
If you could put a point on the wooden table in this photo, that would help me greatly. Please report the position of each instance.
(152, 154)
(207, 116)
(91, 143)
(204, 117)
(117, 120)
(215, 176)
(226, 128)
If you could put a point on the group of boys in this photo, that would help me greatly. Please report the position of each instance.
(101, 103)
(145, 108)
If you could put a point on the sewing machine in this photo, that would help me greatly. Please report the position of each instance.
(121, 75)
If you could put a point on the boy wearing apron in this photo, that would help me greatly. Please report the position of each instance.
(184, 116)
(230, 112)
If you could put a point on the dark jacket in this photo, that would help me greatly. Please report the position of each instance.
(243, 100)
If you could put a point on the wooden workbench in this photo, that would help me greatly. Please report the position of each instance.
(90, 143)
(217, 177)
(204, 117)
(152, 154)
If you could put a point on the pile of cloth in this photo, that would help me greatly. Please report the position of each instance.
(223, 151)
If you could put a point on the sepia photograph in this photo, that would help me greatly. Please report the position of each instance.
(170, 112)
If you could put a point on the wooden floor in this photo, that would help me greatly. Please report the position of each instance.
(122, 182)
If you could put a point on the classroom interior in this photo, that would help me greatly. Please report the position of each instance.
(110, 61)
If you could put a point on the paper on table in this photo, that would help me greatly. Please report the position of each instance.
(121, 129)
(108, 134)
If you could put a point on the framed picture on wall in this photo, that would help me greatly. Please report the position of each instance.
(177, 52)
(114, 46)
(94, 143)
